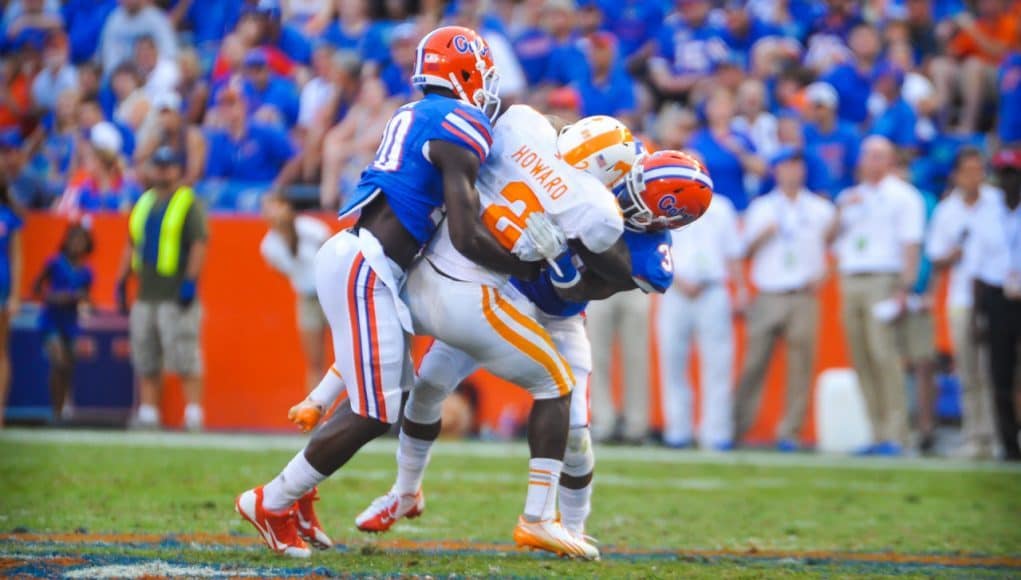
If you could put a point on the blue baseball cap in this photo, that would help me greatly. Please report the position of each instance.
(786, 153)
(256, 57)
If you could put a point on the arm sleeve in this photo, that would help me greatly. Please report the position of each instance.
(467, 129)
(912, 219)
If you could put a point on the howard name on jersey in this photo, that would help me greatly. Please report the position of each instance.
(402, 170)
(651, 270)
(523, 175)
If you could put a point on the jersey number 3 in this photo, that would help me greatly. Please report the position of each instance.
(388, 156)
(507, 222)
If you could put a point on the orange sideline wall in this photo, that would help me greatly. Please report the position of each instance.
(254, 368)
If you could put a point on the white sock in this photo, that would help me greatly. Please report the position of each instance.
(193, 416)
(575, 505)
(148, 415)
(412, 459)
(297, 479)
(543, 480)
(328, 389)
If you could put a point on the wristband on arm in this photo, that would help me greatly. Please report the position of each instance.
(568, 274)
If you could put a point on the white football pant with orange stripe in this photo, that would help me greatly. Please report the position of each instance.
(358, 288)
(503, 337)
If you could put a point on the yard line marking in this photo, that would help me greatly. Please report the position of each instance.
(259, 442)
(460, 547)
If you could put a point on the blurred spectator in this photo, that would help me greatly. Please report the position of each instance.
(398, 72)
(272, 99)
(57, 74)
(879, 231)
(607, 89)
(635, 23)
(706, 257)
(838, 19)
(342, 85)
(350, 146)
(63, 288)
(994, 254)
(348, 30)
(754, 120)
(193, 86)
(290, 247)
(471, 14)
(89, 79)
(921, 29)
(159, 73)
(690, 47)
(564, 103)
(166, 250)
(131, 20)
(83, 21)
(319, 90)
(977, 45)
(833, 139)
(729, 154)
(10, 282)
(249, 151)
(25, 188)
(59, 142)
(1009, 106)
(675, 128)
(892, 116)
(171, 129)
(742, 30)
(131, 104)
(209, 22)
(533, 44)
(853, 80)
(785, 234)
(32, 18)
(102, 182)
(17, 70)
(259, 28)
(298, 12)
(953, 223)
(791, 133)
(566, 61)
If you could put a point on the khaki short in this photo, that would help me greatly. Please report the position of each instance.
(165, 335)
(310, 314)
(916, 336)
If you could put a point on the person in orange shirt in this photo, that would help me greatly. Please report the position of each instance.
(975, 46)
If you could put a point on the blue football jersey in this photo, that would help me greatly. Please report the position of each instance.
(651, 269)
(402, 172)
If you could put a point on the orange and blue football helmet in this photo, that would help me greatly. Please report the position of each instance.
(458, 59)
(664, 190)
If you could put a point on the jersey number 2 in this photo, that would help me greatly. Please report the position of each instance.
(388, 156)
(507, 222)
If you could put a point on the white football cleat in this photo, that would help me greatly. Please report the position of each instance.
(385, 510)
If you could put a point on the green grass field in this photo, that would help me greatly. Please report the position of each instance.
(656, 513)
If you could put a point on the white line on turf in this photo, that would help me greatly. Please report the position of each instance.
(493, 450)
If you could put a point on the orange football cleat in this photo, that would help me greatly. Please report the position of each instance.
(385, 510)
(278, 529)
(306, 415)
(551, 536)
(308, 523)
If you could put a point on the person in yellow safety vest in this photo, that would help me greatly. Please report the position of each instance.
(165, 251)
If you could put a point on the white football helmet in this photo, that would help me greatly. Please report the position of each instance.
(601, 146)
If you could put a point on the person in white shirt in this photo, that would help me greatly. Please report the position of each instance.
(706, 257)
(993, 255)
(290, 247)
(953, 223)
(878, 235)
(785, 233)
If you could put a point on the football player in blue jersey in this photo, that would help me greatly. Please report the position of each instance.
(424, 171)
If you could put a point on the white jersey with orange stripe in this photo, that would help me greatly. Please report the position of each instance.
(523, 174)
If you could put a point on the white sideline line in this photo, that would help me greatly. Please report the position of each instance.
(493, 450)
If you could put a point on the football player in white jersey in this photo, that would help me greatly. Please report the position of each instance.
(663, 191)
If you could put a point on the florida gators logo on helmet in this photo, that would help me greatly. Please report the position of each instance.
(458, 59)
(664, 190)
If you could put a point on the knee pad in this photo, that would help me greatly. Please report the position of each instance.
(425, 403)
(579, 460)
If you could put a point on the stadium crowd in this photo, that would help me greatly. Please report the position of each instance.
(259, 97)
